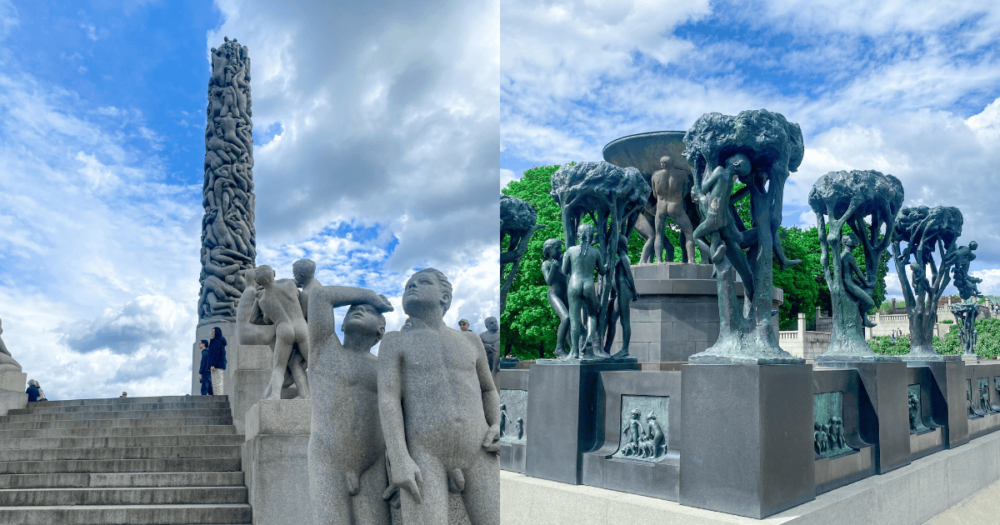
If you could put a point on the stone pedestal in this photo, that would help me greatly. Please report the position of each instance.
(275, 460)
(747, 438)
(13, 381)
(884, 411)
(251, 370)
(512, 384)
(677, 312)
(565, 416)
(949, 377)
(12, 395)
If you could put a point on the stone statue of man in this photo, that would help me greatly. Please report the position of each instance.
(491, 339)
(671, 185)
(279, 303)
(304, 272)
(7, 361)
(440, 411)
(346, 455)
(578, 265)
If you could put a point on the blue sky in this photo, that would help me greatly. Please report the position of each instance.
(375, 154)
(909, 88)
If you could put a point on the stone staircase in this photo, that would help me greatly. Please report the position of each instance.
(144, 460)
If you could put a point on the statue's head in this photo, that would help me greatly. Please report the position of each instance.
(303, 270)
(738, 165)
(264, 275)
(503, 406)
(651, 417)
(365, 320)
(973, 245)
(850, 240)
(636, 413)
(250, 275)
(586, 234)
(492, 324)
(552, 249)
(665, 161)
(427, 288)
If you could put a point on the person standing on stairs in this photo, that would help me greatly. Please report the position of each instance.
(204, 372)
(32, 391)
(217, 359)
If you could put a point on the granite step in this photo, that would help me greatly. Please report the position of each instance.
(124, 422)
(107, 432)
(122, 496)
(128, 514)
(45, 408)
(122, 465)
(122, 479)
(119, 414)
(127, 441)
(58, 454)
(137, 400)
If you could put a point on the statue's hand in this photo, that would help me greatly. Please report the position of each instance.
(492, 438)
(382, 304)
(407, 476)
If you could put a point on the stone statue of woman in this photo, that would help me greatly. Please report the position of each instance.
(7, 362)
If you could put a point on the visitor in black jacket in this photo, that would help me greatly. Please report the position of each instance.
(204, 372)
(32, 391)
(217, 359)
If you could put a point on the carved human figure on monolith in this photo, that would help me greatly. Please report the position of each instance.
(346, 454)
(558, 290)
(279, 303)
(517, 224)
(671, 184)
(632, 435)
(491, 342)
(854, 280)
(925, 231)
(439, 409)
(579, 265)
(304, 273)
(7, 361)
(759, 148)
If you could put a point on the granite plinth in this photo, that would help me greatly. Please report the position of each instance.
(275, 459)
(13, 381)
(565, 415)
(251, 370)
(950, 406)
(747, 438)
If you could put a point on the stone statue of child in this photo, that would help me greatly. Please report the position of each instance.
(7, 361)
(984, 399)
(968, 403)
(279, 303)
(914, 404)
(853, 278)
(657, 441)
(717, 188)
(440, 411)
(579, 264)
(671, 185)
(304, 272)
(632, 435)
(346, 454)
(519, 426)
(557, 294)
(491, 340)
(504, 420)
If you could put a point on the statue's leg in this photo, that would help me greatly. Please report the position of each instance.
(680, 217)
(624, 300)
(591, 304)
(433, 508)
(283, 341)
(574, 326)
(482, 490)
(647, 232)
(327, 487)
(661, 236)
(297, 365)
(369, 507)
(738, 259)
(557, 305)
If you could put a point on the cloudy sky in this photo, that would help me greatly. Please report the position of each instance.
(907, 87)
(376, 131)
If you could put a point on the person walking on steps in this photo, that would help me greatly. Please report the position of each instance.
(217, 359)
(204, 372)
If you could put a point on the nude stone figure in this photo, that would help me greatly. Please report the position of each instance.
(671, 185)
(491, 340)
(304, 272)
(346, 455)
(717, 188)
(558, 290)
(854, 279)
(440, 411)
(279, 304)
(7, 361)
(625, 292)
(579, 264)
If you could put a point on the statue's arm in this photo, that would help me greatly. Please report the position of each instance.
(567, 265)
(390, 408)
(491, 398)
(709, 182)
(323, 299)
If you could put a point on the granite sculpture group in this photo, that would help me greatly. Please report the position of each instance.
(437, 415)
